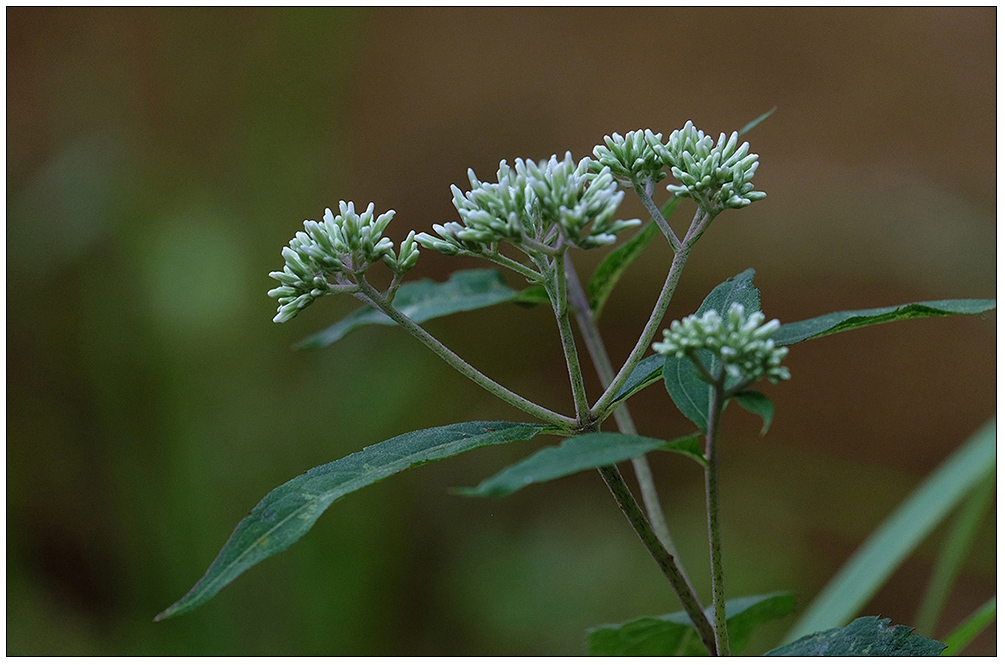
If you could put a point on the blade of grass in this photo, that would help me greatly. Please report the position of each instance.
(899, 534)
(957, 543)
(971, 627)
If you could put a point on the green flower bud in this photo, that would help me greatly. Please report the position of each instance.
(741, 342)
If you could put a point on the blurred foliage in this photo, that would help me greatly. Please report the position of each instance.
(157, 161)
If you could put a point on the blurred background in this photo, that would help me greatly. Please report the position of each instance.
(159, 159)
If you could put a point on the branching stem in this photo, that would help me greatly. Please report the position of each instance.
(373, 298)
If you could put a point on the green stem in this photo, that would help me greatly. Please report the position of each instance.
(602, 362)
(688, 599)
(715, 408)
(557, 288)
(373, 298)
(646, 196)
(698, 226)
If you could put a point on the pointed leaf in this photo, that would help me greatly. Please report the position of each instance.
(877, 558)
(754, 123)
(579, 453)
(865, 636)
(836, 322)
(615, 264)
(759, 405)
(533, 295)
(971, 627)
(683, 383)
(290, 510)
(673, 634)
(425, 299)
(646, 373)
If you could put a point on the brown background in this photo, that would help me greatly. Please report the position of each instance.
(158, 159)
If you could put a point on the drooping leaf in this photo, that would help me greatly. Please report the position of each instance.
(614, 265)
(836, 322)
(683, 382)
(865, 636)
(884, 550)
(289, 511)
(579, 453)
(673, 634)
(425, 299)
(971, 627)
(755, 122)
(759, 405)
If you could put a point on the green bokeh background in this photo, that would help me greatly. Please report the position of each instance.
(157, 161)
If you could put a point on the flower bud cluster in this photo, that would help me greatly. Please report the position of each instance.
(715, 174)
(534, 201)
(740, 341)
(630, 157)
(338, 247)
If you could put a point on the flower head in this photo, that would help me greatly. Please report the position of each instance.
(630, 157)
(338, 248)
(716, 174)
(740, 341)
(548, 202)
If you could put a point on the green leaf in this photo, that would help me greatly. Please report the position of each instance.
(646, 373)
(865, 636)
(759, 405)
(899, 534)
(579, 453)
(971, 627)
(425, 299)
(614, 265)
(673, 634)
(289, 511)
(836, 322)
(754, 123)
(683, 383)
(533, 295)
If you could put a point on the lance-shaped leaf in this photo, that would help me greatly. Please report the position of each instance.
(290, 510)
(836, 322)
(756, 121)
(425, 299)
(865, 636)
(673, 634)
(579, 453)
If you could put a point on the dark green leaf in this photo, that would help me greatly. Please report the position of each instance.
(289, 511)
(646, 373)
(877, 558)
(614, 265)
(533, 295)
(759, 405)
(865, 636)
(836, 322)
(673, 634)
(579, 453)
(971, 627)
(425, 299)
(754, 123)
(683, 383)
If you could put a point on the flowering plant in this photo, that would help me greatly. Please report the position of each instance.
(531, 221)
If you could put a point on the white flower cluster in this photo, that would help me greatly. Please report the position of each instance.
(630, 157)
(740, 341)
(536, 201)
(716, 174)
(338, 247)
